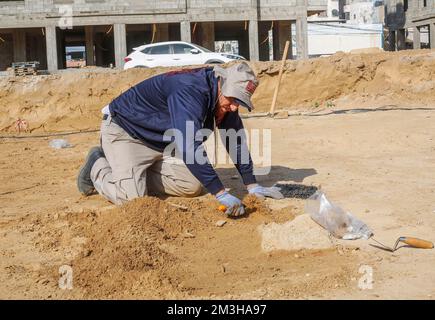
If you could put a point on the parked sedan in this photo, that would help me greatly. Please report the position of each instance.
(174, 53)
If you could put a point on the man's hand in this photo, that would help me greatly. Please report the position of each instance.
(262, 192)
(234, 206)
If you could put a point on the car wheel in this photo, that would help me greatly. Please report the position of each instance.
(214, 62)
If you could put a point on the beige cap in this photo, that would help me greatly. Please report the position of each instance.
(238, 81)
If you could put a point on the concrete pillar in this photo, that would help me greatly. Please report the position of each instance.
(162, 33)
(51, 45)
(119, 34)
(302, 38)
(432, 35)
(253, 41)
(416, 38)
(391, 41)
(284, 34)
(186, 34)
(401, 39)
(19, 39)
(89, 35)
(207, 35)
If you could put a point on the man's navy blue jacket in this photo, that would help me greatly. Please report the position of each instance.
(168, 101)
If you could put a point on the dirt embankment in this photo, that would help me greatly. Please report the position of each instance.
(73, 100)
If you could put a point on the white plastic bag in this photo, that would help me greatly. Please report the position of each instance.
(59, 144)
(339, 223)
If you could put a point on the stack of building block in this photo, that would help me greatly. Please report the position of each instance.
(25, 68)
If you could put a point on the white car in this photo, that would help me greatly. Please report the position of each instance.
(174, 53)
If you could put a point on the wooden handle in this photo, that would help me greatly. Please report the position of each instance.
(281, 69)
(417, 243)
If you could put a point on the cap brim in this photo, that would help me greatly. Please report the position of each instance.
(243, 104)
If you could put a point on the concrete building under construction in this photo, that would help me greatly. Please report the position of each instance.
(41, 30)
(405, 16)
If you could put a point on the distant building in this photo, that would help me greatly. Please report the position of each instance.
(329, 38)
(364, 11)
(346, 25)
(354, 11)
(334, 11)
(410, 23)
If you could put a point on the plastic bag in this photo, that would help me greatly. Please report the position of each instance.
(339, 223)
(59, 144)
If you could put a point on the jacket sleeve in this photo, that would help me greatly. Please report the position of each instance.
(188, 108)
(234, 139)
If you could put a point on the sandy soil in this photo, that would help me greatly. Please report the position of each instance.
(371, 150)
(379, 165)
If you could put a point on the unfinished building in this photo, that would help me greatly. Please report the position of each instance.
(404, 16)
(43, 30)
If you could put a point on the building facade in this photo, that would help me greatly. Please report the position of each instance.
(42, 29)
(364, 11)
(346, 25)
(354, 11)
(413, 19)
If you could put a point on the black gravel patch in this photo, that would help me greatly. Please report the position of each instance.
(299, 191)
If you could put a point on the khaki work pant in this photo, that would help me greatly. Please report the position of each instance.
(131, 169)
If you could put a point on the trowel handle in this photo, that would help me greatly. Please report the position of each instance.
(417, 243)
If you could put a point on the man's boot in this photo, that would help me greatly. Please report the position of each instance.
(84, 182)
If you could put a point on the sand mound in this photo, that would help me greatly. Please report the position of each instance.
(73, 100)
(133, 246)
(301, 233)
(126, 249)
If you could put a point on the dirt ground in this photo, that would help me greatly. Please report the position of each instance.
(373, 156)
